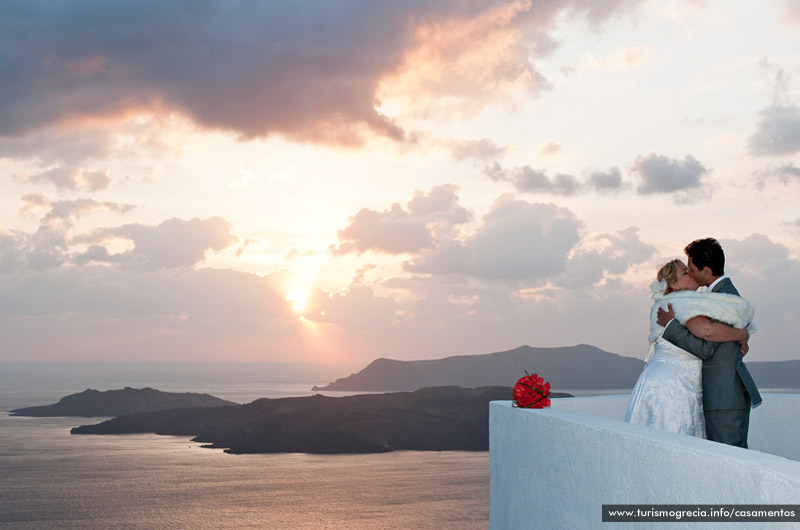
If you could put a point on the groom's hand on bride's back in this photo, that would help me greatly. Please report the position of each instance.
(745, 347)
(664, 316)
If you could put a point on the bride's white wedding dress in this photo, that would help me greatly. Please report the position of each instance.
(669, 392)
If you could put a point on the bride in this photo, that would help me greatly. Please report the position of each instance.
(669, 392)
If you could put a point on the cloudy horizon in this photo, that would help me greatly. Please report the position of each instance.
(333, 183)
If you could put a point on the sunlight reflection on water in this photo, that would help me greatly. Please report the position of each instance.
(51, 479)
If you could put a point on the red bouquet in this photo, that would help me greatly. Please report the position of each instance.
(531, 391)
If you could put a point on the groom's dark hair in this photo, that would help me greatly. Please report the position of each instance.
(707, 253)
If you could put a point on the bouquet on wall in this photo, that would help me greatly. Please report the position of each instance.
(531, 392)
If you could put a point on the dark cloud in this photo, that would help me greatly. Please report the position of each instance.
(659, 174)
(778, 132)
(399, 230)
(309, 70)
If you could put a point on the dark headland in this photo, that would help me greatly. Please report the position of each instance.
(581, 367)
(574, 367)
(429, 419)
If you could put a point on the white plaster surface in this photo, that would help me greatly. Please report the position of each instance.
(556, 467)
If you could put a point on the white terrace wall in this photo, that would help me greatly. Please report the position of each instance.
(554, 468)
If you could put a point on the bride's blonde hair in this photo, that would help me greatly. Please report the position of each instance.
(669, 273)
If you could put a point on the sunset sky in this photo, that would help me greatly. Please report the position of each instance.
(336, 181)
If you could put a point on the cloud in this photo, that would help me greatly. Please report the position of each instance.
(600, 12)
(68, 146)
(248, 243)
(482, 149)
(486, 53)
(766, 274)
(393, 231)
(440, 205)
(528, 180)
(10, 255)
(517, 240)
(49, 246)
(72, 178)
(550, 148)
(784, 174)
(33, 201)
(778, 132)
(659, 174)
(399, 230)
(107, 313)
(68, 209)
(86, 312)
(525, 179)
(311, 71)
(603, 255)
(174, 243)
(605, 181)
(67, 155)
(41, 250)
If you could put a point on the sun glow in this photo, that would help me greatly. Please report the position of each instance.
(298, 298)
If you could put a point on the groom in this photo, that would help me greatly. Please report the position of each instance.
(728, 387)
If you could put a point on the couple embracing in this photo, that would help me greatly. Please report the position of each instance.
(695, 381)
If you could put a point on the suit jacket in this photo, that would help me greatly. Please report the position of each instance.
(727, 383)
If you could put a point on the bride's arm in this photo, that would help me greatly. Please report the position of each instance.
(702, 328)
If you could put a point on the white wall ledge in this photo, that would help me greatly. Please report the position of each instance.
(556, 467)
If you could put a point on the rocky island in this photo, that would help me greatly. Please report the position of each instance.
(94, 403)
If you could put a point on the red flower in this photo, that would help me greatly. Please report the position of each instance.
(531, 391)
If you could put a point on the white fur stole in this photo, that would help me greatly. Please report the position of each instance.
(728, 308)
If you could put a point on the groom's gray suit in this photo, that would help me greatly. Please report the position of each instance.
(728, 387)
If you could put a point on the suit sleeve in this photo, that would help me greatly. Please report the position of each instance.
(677, 334)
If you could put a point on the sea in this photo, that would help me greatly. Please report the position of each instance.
(50, 479)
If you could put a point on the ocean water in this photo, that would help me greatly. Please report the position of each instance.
(51, 479)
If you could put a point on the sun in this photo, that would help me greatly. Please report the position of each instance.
(298, 299)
